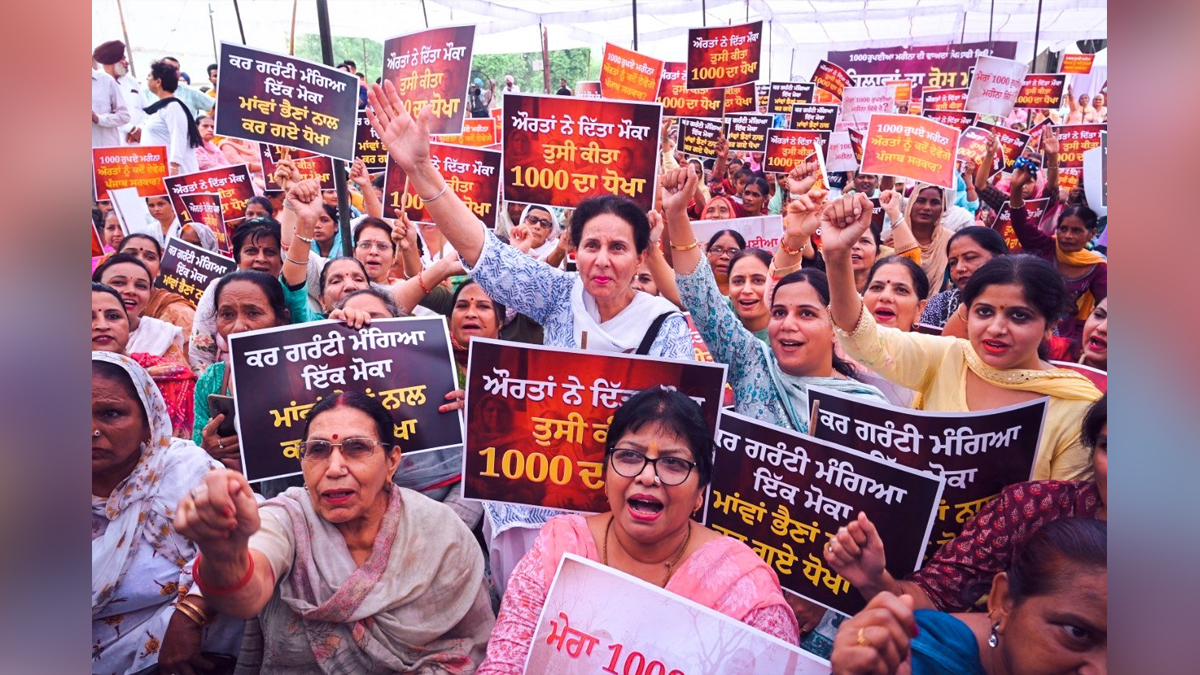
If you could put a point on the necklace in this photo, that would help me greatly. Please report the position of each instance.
(670, 566)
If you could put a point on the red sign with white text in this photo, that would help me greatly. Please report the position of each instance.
(723, 56)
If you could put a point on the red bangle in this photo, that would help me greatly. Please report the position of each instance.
(790, 251)
(228, 590)
(422, 283)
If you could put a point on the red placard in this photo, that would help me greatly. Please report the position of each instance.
(944, 99)
(972, 145)
(679, 101)
(952, 118)
(1002, 221)
(725, 56)
(310, 165)
(1080, 64)
(1035, 134)
(628, 75)
(1012, 144)
(786, 148)
(913, 147)
(1041, 91)
(432, 67)
(1073, 141)
(831, 78)
(903, 89)
(139, 166)
(477, 132)
(471, 173)
(231, 182)
(739, 99)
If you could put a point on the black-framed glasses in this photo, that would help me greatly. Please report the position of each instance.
(543, 223)
(670, 470)
(721, 250)
(353, 449)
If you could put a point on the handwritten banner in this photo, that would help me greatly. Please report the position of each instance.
(1002, 221)
(788, 147)
(1074, 140)
(628, 75)
(911, 147)
(1012, 144)
(831, 78)
(588, 89)
(471, 173)
(679, 101)
(271, 98)
(232, 183)
(597, 619)
(187, 269)
(699, 137)
(935, 66)
(1080, 64)
(747, 133)
(432, 68)
(538, 417)
(203, 209)
(1041, 91)
(556, 156)
(944, 99)
(785, 495)
(740, 99)
(859, 103)
(723, 56)
(978, 453)
(840, 155)
(995, 87)
(952, 118)
(309, 164)
(367, 145)
(814, 117)
(138, 166)
(477, 132)
(785, 95)
(404, 363)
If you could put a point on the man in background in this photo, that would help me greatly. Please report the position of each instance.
(109, 111)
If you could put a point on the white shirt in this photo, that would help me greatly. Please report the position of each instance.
(109, 107)
(131, 91)
(169, 127)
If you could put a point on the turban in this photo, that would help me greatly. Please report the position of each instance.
(109, 52)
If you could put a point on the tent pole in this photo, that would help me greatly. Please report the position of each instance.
(213, 31)
(991, 19)
(125, 32)
(1037, 32)
(704, 13)
(635, 25)
(238, 12)
(425, 13)
(339, 167)
(292, 40)
(545, 60)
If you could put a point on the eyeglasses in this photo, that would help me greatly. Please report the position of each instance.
(353, 449)
(377, 245)
(721, 250)
(670, 470)
(543, 223)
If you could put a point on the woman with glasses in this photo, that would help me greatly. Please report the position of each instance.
(720, 251)
(348, 573)
(657, 465)
(540, 232)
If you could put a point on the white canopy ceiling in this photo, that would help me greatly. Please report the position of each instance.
(798, 32)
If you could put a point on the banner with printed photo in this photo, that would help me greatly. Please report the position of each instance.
(477, 132)
(471, 173)
(994, 89)
(556, 156)
(231, 182)
(785, 95)
(129, 166)
(934, 66)
(763, 232)
(944, 99)
(367, 146)
(747, 133)
(1074, 140)
(814, 117)
(1079, 64)
(911, 147)
(699, 137)
(723, 56)
(952, 118)
(1041, 91)
(978, 453)
(788, 147)
(538, 417)
(1012, 144)
(203, 209)
(597, 619)
(432, 67)
(740, 99)
(785, 495)
(859, 103)
(831, 78)
(405, 363)
(1002, 221)
(588, 89)
(629, 76)
(309, 164)
(281, 100)
(679, 101)
(187, 269)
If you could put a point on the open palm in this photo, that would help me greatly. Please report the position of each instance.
(406, 138)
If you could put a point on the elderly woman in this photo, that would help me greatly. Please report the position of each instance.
(657, 465)
(146, 609)
(349, 573)
(133, 280)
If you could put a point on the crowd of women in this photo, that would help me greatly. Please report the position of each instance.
(372, 562)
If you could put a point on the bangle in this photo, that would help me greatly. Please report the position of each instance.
(295, 262)
(307, 240)
(778, 273)
(791, 251)
(193, 612)
(227, 590)
(285, 248)
(422, 283)
(445, 186)
(689, 247)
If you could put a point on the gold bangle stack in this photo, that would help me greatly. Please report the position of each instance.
(689, 247)
(193, 612)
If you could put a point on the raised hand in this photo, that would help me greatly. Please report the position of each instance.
(406, 139)
(844, 221)
(802, 217)
(359, 174)
(877, 639)
(521, 238)
(802, 177)
(404, 234)
(856, 553)
(890, 201)
(306, 201)
(1050, 142)
(219, 515)
(722, 146)
(286, 174)
(656, 227)
(678, 186)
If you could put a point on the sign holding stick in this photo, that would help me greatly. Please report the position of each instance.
(471, 173)
(432, 68)
(629, 76)
(995, 87)
(912, 147)
(724, 56)
(679, 101)
(141, 167)
(231, 182)
(187, 269)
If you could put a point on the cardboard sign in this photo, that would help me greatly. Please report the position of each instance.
(136, 166)
(937, 66)
(432, 68)
(597, 619)
(785, 495)
(699, 137)
(281, 100)
(283, 372)
(785, 95)
(788, 147)
(747, 133)
(831, 78)
(763, 232)
(1074, 140)
(588, 89)
(555, 155)
(310, 165)
(952, 118)
(187, 269)
(944, 99)
(1041, 91)
(911, 147)
(395, 182)
(902, 90)
(679, 101)
(814, 117)
(231, 182)
(723, 56)
(203, 209)
(840, 153)
(477, 132)
(859, 103)
(1012, 144)
(740, 99)
(538, 417)
(471, 173)
(628, 75)
(995, 87)
(367, 146)
(978, 453)
(1002, 221)
(1080, 64)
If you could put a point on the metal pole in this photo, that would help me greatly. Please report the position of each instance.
(704, 13)
(213, 31)
(125, 32)
(545, 60)
(991, 19)
(241, 30)
(1037, 32)
(771, 53)
(292, 40)
(747, 11)
(339, 167)
(792, 65)
(635, 25)
(425, 13)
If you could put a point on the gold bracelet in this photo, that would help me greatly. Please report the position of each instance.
(192, 612)
(689, 247)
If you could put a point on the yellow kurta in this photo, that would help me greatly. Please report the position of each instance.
(936, 368)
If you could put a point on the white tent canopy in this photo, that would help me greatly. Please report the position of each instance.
(797, 33)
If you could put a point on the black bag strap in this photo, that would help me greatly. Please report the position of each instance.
(652, 333)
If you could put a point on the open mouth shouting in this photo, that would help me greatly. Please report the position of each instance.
(885, 315)
(1097, 344)
(643, 507)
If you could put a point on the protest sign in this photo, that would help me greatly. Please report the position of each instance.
(537, 418)
(788, 147)
(405, 363)
(995, 87)
(952, 118)
(552, 158)
(1035, 134)
(762, 232)
(785, 95)
(762, 96)
(477, 132)
(759, 473)
(831, 78)
(944, 99)
(187, 269)
(911, 147)
(597, 619)
(272, 98)
(679, 101)
(367, 145)
(740, 99)
(935, 66)
(856, 144)
(203, 209)
(699, 137)
(972, 146)
(747, 133)
(1012, 144)
(723, 56)
(978, 453)
(309, 164)
(814, 117)
(395, 182)
(818, 157)
(231, 182)
(840, 153)
(1097, 376)
(471, 173)
(859, 103)
(137, 166)
(902, 90)
(1041, 91)
(588, 89)
(1080, 64)
(1070, 178)
(1002, 221)
(432, 67)
(1095, 175)
(628, 75)
(1074, 140)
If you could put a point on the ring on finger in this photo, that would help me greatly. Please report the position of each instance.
(862, 640)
